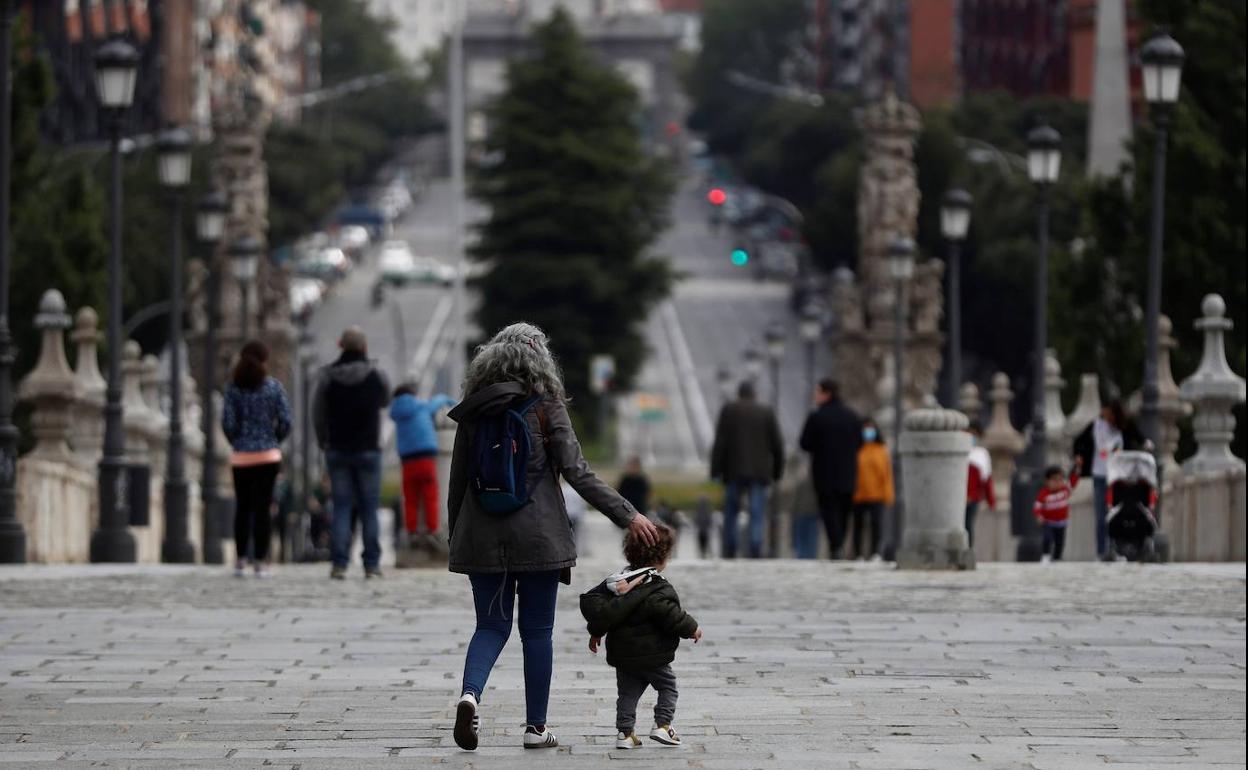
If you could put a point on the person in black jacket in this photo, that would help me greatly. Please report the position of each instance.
(832, 435)
(748, 454)
(639, 613)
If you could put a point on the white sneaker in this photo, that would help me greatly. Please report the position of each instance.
(1046, 559)
(467, 722)
(665, 735)
(240, 569)
(875, 558)
(627, 741)
(263, 572)
(535, 740)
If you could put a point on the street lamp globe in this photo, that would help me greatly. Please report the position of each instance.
(174, 158)
(245, 258)
(1161, 62)
(955, 215)
(774, 337)
(1044, 154)
(210, 218)
(901, 258)
(811, 326)
(116, 70)
(753, 362)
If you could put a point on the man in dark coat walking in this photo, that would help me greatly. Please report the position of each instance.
(832, 435)
(748, 454)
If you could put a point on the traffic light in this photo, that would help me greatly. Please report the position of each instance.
(716, 196)
(740, 257)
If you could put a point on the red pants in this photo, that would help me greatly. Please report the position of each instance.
(420, 486)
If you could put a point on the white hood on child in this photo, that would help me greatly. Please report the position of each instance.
(627, 574)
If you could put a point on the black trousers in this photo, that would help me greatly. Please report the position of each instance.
(1054, 541)
(864, 515)
(253, 497)
(834, 508)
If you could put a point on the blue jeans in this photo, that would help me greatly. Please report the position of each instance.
(355, 481)
(806, 537)
(758, 510)
(494, 595)
(1102, 512)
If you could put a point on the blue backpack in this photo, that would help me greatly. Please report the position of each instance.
(500, 460)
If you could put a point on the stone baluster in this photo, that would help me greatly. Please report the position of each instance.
(50, 385)
(1058, 451)
(934, 447)
(1087, 409)
(138, 418)
(158, 443)
(89, 386)
(1002, 441)
(1170, 405)
(1213, 390)
(969, 403)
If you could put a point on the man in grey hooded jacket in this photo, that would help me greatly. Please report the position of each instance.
(347, 410)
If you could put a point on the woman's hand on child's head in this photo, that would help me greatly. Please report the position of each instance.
(697, 635)
(644, 529)
(594, 641)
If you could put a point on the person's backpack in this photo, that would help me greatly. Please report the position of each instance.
(500, 460)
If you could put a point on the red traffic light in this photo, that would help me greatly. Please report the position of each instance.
(717, 196)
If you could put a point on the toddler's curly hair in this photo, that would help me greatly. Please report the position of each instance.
(639, 554)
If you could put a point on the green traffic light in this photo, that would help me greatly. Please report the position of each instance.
(740, 257)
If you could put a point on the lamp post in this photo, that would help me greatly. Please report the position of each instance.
(774, 337)
(811, 328)
(116, 69)
(724, 378)
(955, 220)
(1044, 163)
(174, 166)
(753, 363)
(901, 269)
(1162, 63)
(12, 534)
(245, 263)
(209, 227)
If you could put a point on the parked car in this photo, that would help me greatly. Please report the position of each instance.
(353, 239)
(430, 270)
(396, 263)
(327, 264)
(305, 295)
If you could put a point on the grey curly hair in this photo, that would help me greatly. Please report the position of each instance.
(518, 353)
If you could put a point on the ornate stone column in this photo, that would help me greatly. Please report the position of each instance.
(934, 448)
(1213, 390)
(1002, 441)
(50, 385)
(89, 385)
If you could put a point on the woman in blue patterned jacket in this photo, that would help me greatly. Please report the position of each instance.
(256, 419)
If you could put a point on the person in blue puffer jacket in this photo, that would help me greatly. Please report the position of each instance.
(417, 441)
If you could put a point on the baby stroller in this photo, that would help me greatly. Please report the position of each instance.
(1132, 481)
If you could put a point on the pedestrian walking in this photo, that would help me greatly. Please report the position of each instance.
(873, 490)
(746, 457)
(416, 440)
(1052, 511)
(256, 420)
(979, 484)
(508, 525)
(634, 485)
(639, 613)
(1108, 434)
(832, 435)
(350, 396)
(704, 522)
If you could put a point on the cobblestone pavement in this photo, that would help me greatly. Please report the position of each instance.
(804, 665)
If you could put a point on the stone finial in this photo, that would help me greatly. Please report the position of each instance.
(1001, 440)
(968, 401)
(1213, 390)
(1088, 407)
(1054, 417)
(150, 382)
(137, 414)
(50, 385)
(1170, 406)
(86, 336)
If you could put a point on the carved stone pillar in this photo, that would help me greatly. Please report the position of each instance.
(934, 448)
(1213, 390)
(89, 386)
(1002, 441)
(50, 385)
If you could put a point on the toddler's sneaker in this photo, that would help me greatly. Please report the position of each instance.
(535, 739)
(665, 735)
(1046, 559)
(467, 722)
(240, 569)
(263, 572)
(627, 740)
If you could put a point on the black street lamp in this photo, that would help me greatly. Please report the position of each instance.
(174, 166)
(955, 220)
(901, 270)
(245, 264)
(1044, 163)
(12, 534)
(774, 337)
(209, 227)
(811, 328)
(116, 69)
(1162, 64)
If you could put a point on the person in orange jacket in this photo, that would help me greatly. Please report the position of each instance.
(874, 489)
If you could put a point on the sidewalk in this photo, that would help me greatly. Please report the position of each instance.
(804, 665)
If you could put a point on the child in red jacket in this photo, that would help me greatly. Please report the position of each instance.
(1052, 510)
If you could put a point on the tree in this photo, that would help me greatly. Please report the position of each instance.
(574, 204)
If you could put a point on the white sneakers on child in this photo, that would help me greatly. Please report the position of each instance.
(627, 740)
(467, 722)
(533, 739)
(665, 735)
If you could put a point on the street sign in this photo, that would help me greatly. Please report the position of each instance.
(651, 407)
(601, 373)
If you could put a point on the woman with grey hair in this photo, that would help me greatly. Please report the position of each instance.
(530, 550)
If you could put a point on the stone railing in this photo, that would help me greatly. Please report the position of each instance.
(57, 480)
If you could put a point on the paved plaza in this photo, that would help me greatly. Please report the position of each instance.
(804, 665)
